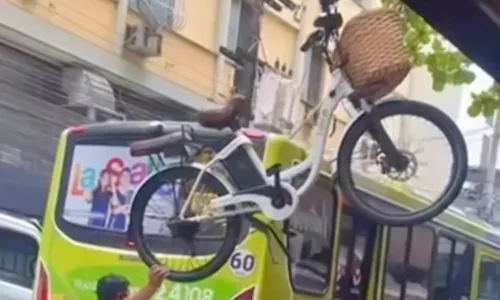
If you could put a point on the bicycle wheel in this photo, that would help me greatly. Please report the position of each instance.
(402, 215)
(165, 228)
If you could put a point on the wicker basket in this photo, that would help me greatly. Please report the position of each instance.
(372, 53)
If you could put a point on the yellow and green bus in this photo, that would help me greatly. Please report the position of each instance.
(332, 251)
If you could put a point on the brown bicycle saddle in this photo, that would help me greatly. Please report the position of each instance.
(222, 117)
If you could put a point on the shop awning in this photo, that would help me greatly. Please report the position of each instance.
(472, 26)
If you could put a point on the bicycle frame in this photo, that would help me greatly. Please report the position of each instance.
(327, 106)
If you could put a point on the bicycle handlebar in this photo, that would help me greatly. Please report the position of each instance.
(231, 55)
(326, 5)
(327, 24)
(312, 39)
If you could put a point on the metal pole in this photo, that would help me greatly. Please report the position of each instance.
(246, 80)
(489, 184)
(224, 17)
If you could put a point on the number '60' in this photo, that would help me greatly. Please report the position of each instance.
(242, 261)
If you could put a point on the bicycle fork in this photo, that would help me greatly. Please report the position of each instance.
(393, 157)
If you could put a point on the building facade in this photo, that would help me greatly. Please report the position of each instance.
(66, 62)
(70, 62)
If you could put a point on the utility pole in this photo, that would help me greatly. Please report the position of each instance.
(249, 43)
(489, 184)
(244, 78)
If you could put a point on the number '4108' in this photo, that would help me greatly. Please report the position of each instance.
(184, 292)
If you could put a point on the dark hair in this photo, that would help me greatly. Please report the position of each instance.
(111, 286)
(101, 175)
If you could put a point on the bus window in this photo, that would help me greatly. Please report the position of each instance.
(310, 240)
(409, 260)
(357, 239)
(489, 289)
(452, 269)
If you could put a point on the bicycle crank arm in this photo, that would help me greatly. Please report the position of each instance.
(263, 202)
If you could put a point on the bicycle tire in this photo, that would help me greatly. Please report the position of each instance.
(141, 198)
(432, 115)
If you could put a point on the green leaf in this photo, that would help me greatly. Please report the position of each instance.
(446, 65)
(437, 45)
(474, 110)
(462, 77)
(438, 85)
(468, 76)
(439, 80)
(432, 62)
(419, 59)
(488, 109)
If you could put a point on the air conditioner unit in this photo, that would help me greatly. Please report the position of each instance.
(96, 113)
(143, 40)
(90, 95)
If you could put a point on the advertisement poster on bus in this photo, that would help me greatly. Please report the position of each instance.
(102, 181)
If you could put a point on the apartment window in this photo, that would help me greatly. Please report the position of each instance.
(489, 276)
(314, 69)
(234, 25)
(357, 239)
(408, 265)
(164, 10)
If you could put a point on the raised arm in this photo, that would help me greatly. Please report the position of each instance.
(156, 276)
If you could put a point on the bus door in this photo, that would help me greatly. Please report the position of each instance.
(357, 247)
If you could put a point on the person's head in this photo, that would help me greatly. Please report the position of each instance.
(112, 287)
(124, 180)
(104, 179)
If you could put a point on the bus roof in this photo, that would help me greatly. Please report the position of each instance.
(138, 127)
(453, 218)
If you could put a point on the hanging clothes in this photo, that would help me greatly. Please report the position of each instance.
(265, 99)
(284, 112)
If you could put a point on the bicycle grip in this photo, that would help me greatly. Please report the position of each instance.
(157, 144)
(231, 55)
(311, 39)
(307, 44)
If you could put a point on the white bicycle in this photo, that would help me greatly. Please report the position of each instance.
(234, 184)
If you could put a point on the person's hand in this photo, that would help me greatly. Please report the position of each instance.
(156, 276)
(114, 186)
(87, 195)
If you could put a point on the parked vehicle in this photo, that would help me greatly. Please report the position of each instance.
(19, 241)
